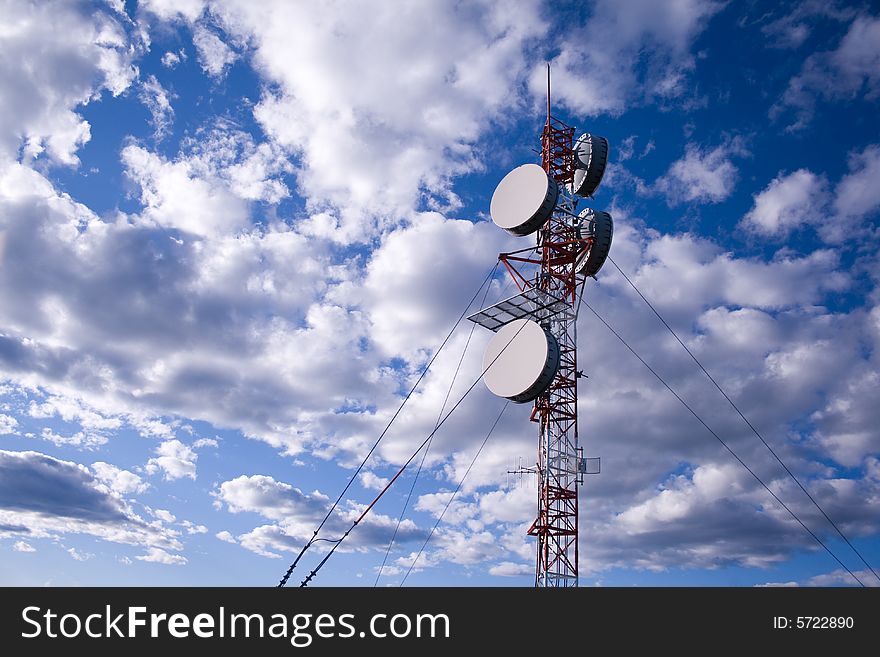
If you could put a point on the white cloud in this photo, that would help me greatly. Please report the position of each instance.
(410, 304)
(250, 170)
(175, 9)
(226, 537)
(79, 556)
(437, 75)
(175, 198)
(595, 70)
(44, 497)
(83, 439)
(80, 54)
(702, 175)
(296, 514)
(802, 198)
(272, 499)
(708, 484)
(788, 585)
(284, 332)
(222, 293)
(772, 342)
(205, 190)
(788, 202)
(175, 459)
(214, 54)
(22, 546)
(119, 480)
(154, 96)
(465, 547)
(164, 515)
(172, 59)
(687, 265)
(842, 578)
(848, 72)
(510, 569)
(857, 195)
(8, 425)
(192, 528)
(625, 149)
(796, 24)
(152, 428)
(158, 555)
(846, 425)
(71, 409)
(372, 481)
(205, 442)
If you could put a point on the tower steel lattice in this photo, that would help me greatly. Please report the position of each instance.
(559, 474)
(560, 466)
(570, 247)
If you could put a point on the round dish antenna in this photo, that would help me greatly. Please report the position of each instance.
(524, 200)
(600, 227)
(590, 159)
(520, 361)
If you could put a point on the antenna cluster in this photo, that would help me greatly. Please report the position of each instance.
(537, 329)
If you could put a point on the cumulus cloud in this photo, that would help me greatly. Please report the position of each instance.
(82, 53)
(857, 195)
(597, 71)
(788, 202)
(119, 480)
(215, 301)
(175, 459)
(164, 515)
(716, 515)
(406, 134)
(457, 253)
(845, 73)
(372, 481)
(192, 528)
(175, 198)
(44, 497)
(702, 175)
(296, 514)
(225, 536)
(214, 54)
(175, 9)
(172, 59)
(158, 555)
(207, 188)
(34, 482)
(761, 346)
(8, 424)
(214, 290)
(802, 198)
(95, 425)
(23, 546)
(842, 578)
(510, 569)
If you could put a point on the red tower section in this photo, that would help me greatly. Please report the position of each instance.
(556, 526)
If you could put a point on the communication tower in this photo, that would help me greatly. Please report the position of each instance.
(533, 355)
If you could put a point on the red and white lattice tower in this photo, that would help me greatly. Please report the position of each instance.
(556, 526)
(541, 366)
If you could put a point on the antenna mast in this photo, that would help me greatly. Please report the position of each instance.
(548, 92)
(556, 525)
(533, 355)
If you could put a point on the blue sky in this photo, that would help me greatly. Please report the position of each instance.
(232, 233)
